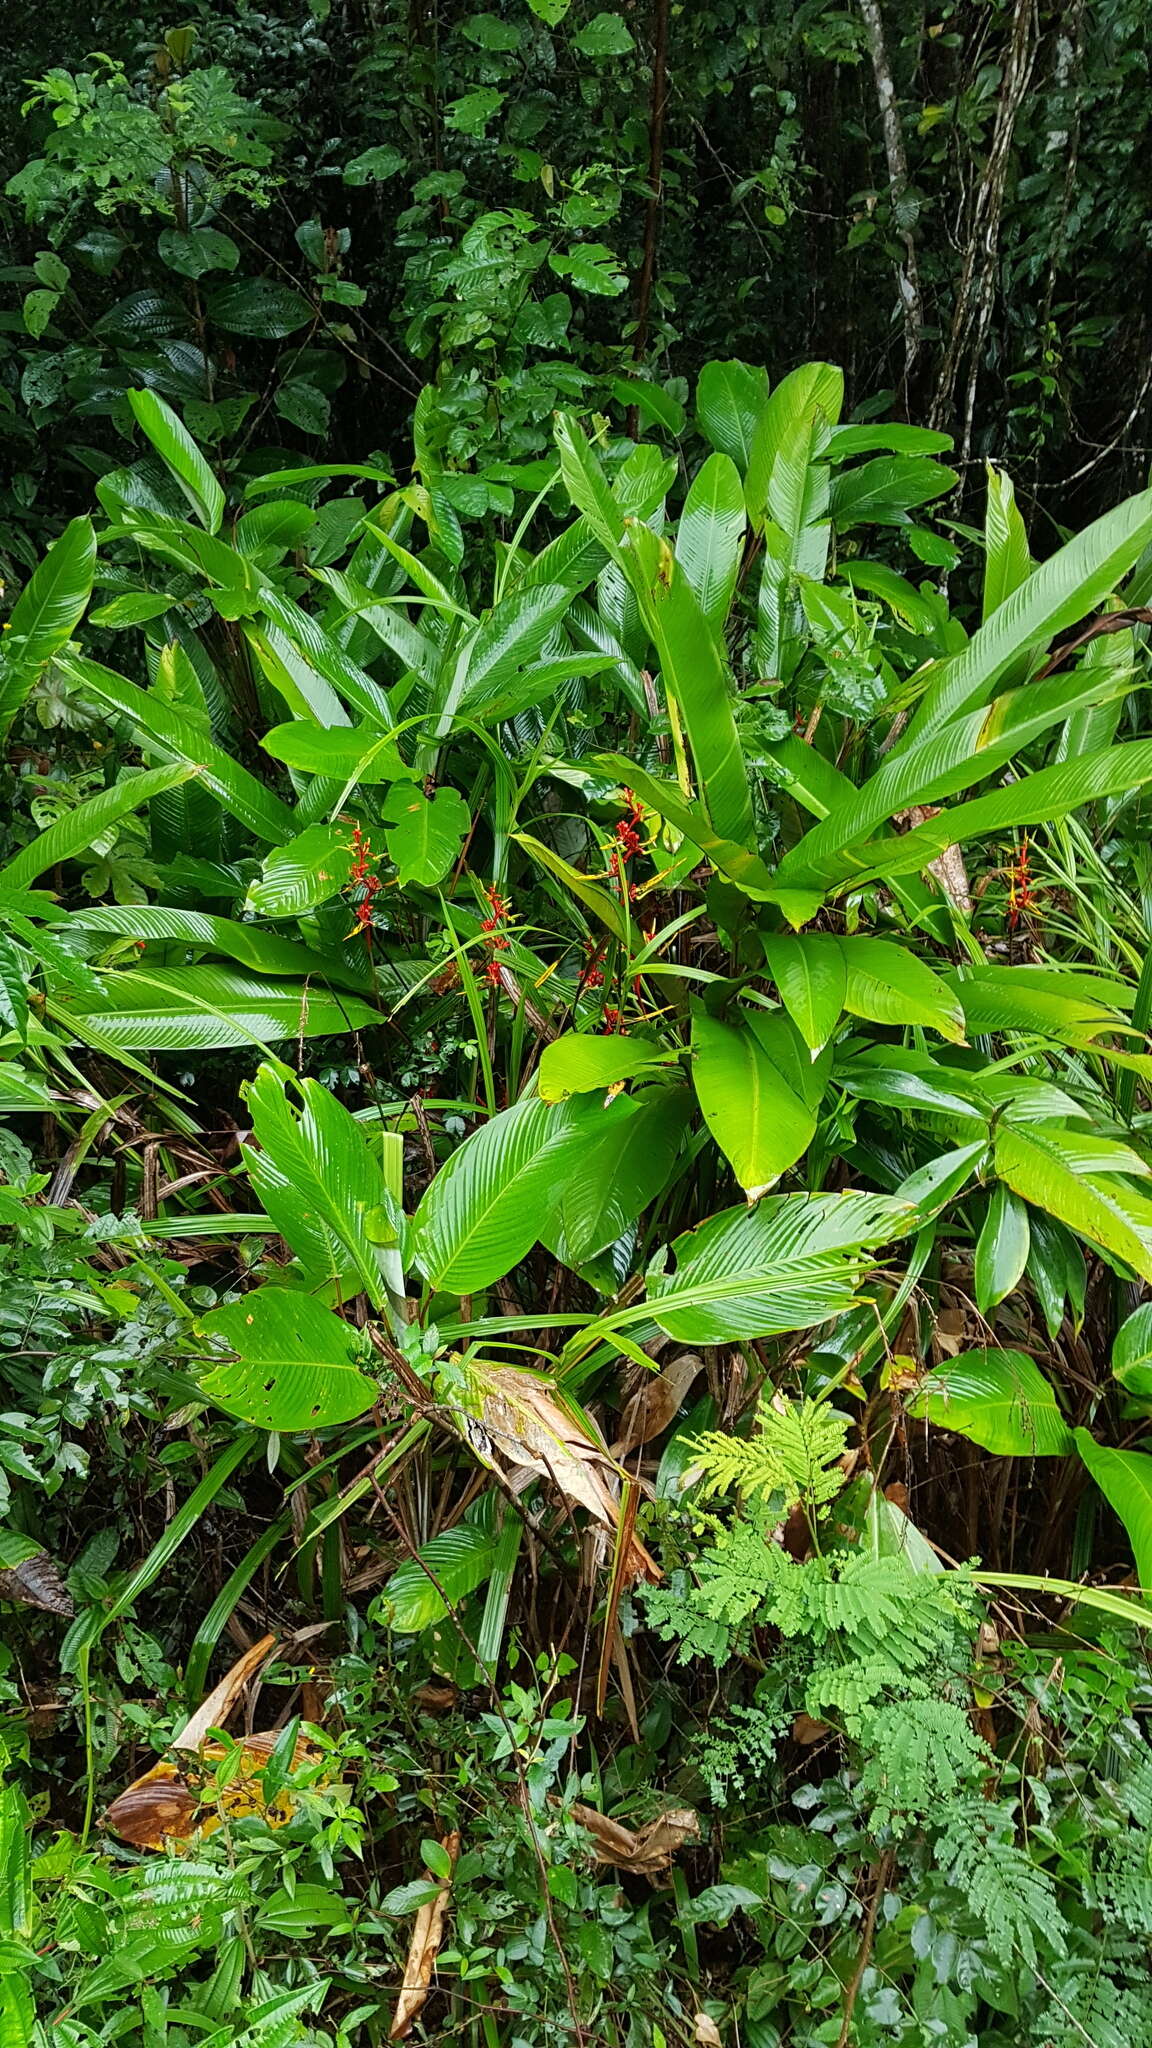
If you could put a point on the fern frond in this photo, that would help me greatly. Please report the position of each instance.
(920, 1753)
(1011, 1896)
(794, 1455)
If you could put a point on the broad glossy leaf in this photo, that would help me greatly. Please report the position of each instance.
(200, 1009)
(164, 731)
(791, 1261)
(458, 1561)
(502, 667)
(998, 1399)
(759, 1092)
(811, 975)
(259, 307)
(891, 985)
(351, 753)
(1132, 1352)
(583, 1062)
(309, 870)
(45, 614)
(294, 1366)
(265, 952)
(738, 863)
(1038, 1164)
(904, 1079)
(730, 397)
(424, 834)
(710, 536)
(483, 1210)
(1001, 1248)
(1056, 1270)
(1058, 1005)
(1125, 1480)
(887, 437)
(178, 451)
(791, 431)
(76, 831)
(315, 1175)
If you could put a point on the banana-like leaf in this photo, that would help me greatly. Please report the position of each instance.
(1057, 595)
(710, 537)
(1125, 1480)
(451, 1566)
(884, 491)
(584, 1062)
(1058, 1003)
(811, 975)
(316, 1176)
(730, 398)
(202, 1009)
(162, 730)
(791, 1261)
(759, 1091)
(999, 1400)
(349, 753)
(782, 482)
(595, 896)
(75, 832)
(1007, 557)
(424, 834)
(179, 453)
(502, 667)
(294, 1365)
(1132, 1352)
(1041, 1165)
(45, 615)
(482, 1212)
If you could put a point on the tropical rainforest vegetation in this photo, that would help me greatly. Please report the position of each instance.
(576, 1026)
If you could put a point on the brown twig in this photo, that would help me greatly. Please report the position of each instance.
(852, 1988)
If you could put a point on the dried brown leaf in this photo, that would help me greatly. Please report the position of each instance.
(646, 1851)
(37, 1583)
(656, 1404)
(423, 1949)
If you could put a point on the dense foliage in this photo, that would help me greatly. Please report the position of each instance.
(574, 1020)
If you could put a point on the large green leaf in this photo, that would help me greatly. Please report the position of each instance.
(162, 730)
(308, 870)
(505, 665)
(811, 974)
(1055, 1002)
(759, 1091)
(452, 1565)
(710, 536)
(178, 451)
(45, 614)
(1132, 1352)
(884, 491)
(424, 834)
(1040, 1165)
(584, 1062)
(888, 984)
(351, 753)
(1062, 591)
(201, 1009)
(294, 1366)
(621, 1156)
(316, 1177)
(1000, 1400)
(791, 1261)
(781, 482)
(730, 398)
(1007, 558)
(76, 831)
(1125, 1480)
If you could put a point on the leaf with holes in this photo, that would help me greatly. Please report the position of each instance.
(424, 834)
(294, 1364)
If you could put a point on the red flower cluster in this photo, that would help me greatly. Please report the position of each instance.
(628, 843)
(1021, 896)
(362, 876)
(611, 1021)
(593, 972)
(495, 937)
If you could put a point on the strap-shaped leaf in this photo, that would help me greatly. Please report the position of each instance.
(202, 1009)
(730, 398)
(265, 952)
(1125, 1480)
(45, 615)
(163, 731)
(1058, 594)
(1041, 1167)
(179, 453)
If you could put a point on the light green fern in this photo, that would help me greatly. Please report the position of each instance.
(793, 1457)
(1011, 1896)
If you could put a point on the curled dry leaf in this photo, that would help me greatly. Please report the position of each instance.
(656, 1403)
(522, 1418)
(174, 1802)
(36, 1582)
(646, 1851)
(423, 1949)
(706, 2033)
